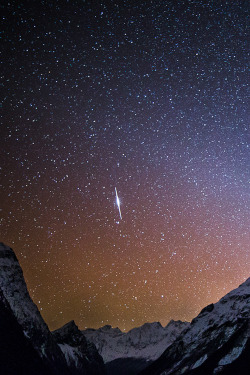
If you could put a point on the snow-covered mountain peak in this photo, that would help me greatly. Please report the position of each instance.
(15, 291)
(147, 341)
(174, 323)
(153, 325)
(71, 354)
(231, 307)
(68, 332)
(216, 338)
(242, 290)
(79, 353)
(4, 247)
(26, 313)
(108, 329)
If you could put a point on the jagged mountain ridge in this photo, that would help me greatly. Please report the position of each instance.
(147, 341)
(35, 333)
(128, 353)
(216, 342)
(78, 351)
(14, 288)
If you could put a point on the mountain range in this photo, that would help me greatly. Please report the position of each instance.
(27, 347)
(132, 351)
(217, 341)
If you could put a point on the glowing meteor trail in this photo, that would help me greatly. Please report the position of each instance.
(118, 203)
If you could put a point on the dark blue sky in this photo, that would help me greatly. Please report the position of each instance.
(149, 97)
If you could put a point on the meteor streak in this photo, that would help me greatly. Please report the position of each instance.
(118, 203)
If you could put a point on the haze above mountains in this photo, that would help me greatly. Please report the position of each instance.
(217, 341)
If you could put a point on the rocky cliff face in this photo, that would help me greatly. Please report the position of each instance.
(79, 353)
(216, 342)
(18, 311)
(17, 355)
(27, 315)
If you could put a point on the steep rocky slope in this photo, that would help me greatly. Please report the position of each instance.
(17, 355)
(80, 354)
(216, 342)
(15, 291)
(18, 311)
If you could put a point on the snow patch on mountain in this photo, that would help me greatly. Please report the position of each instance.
(71, 354)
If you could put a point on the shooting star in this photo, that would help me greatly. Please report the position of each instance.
(118, 203)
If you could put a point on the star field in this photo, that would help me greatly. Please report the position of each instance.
(149, 97)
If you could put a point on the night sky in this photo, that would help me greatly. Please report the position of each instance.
(150, 98)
